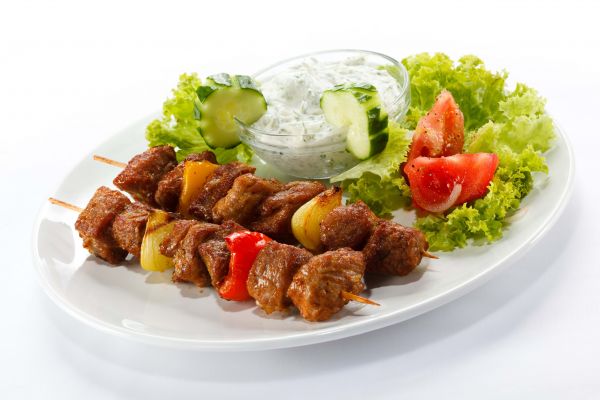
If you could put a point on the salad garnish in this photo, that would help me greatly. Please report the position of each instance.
(179, 126)
(512, 124)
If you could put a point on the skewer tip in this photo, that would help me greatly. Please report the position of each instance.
(64, 204)
(429, 255)
(360, 299)
(108, 161)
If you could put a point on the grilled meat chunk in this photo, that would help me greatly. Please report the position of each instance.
(214, 251)
(216, 187)
(170, 244)
(348, 226)
(271, 275)
(394, 249)
(129, 227)
(189, 266)
(169, 188)
(318, 285)
(94, 224)
(143, 172)
(275, 213)
(241, 202)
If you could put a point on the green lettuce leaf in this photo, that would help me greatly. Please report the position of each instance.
(521, 122)
(179, 128)
(476, 90)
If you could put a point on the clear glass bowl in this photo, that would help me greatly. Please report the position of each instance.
(319, 159)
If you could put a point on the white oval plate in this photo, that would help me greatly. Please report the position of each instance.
(130, 302)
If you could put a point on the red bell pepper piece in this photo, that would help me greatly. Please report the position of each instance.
(244, 247)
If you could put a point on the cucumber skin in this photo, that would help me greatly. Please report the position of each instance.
(361, 86)
(245, 82)
(204, 91)
(222, 80)
(236, 81)
(378, 143)
(378, 123)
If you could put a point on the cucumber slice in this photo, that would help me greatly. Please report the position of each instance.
(222, 98)
(357, 106)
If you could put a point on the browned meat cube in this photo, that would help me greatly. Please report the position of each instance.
(170, 244)
(129, 227)
(215, 254)
(348, 226)
(241, 202)
(217, 187)
(189, 266)
(394, 249)
(272, 273)
(94, 224)
(318, 285)
(143, 172)
(169, 188)
(275, 213)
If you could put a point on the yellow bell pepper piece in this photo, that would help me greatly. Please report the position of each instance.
(195, 175)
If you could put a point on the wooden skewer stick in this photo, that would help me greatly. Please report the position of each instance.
(360, 299)
(64, 204)
(109, 161)
(345, 295)
(429, 255)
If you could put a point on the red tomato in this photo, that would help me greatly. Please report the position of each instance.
(440, 183)
(441, 131)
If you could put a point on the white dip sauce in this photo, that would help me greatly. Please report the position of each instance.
(293, 95)
(296, 122)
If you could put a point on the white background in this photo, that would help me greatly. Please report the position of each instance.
(73, 73)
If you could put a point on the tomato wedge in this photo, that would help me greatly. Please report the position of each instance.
(441, 131)
(440, 183)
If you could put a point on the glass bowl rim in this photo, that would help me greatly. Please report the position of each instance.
(404, 87)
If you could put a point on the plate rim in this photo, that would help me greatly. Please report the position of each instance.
(303, 338)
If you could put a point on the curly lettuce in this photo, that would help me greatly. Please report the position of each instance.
(178, 128)
(520, 122)
(476, 90)
(512, 124)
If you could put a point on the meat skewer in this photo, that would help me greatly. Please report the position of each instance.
(267, 206)
(101, 245)
(231, 191)
(354, 239)
(319, 286)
